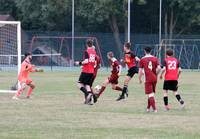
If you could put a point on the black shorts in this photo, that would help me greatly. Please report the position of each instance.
(86, 78)
(132, 71)
(171, 85)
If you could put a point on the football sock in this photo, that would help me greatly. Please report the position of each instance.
(124, 90)
(30, 90)
(19, 92)
(152, 103)
(178, 97)
(118, 88)
(101, 90)
(148, 106)
(84, 91)
(165, 100)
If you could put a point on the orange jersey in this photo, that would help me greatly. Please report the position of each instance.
(26, 68)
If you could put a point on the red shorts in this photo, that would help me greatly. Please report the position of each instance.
(150, 87)
(113, 79)
(26, 81)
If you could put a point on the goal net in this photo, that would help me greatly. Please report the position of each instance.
(186, 50)
(10, 54)
(56, 51)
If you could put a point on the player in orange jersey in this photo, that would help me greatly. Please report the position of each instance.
(23, 76)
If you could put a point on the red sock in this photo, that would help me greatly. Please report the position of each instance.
(148, 106)
(30, 90)
(152, 103)
(101, 91)
(118, 88)
(19, 92)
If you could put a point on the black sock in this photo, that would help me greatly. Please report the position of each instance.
(84, 91)
(124, 89)
(165, 100)
(178, 97)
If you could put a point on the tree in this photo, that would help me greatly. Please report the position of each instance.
(45, 14)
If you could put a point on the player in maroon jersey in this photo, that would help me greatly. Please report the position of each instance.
(115, 73)
(150, 66)
(87, 73)
(130, 59)
(172, 70)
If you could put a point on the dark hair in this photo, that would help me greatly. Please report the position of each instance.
(110, 54)
(127, 45)
(89, 42)
(147, 49)
(27, 54)
(169, 52)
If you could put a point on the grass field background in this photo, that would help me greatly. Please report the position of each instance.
(56, 111)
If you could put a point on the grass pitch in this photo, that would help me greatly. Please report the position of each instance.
(56, 111)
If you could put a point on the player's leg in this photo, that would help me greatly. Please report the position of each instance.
(116, 87)
(125, 88)
(20, 90)
(165, 99)
(150, 91)
(103, 87)
(131, 72)
(166, 87)
(176, 94)
(30, 90)
(81, 85)
(31, 87)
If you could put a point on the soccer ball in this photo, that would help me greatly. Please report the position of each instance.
(97, 89)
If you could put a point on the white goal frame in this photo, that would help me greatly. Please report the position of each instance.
(18, 23)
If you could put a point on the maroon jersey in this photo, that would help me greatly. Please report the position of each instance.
(129, 59)
(149, 63)
(97, 64)
(114, 63)
(172, 66)
(90, 54)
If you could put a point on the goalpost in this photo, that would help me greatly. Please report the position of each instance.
(10, 54)
(186, 50)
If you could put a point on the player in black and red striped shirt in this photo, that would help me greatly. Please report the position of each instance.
(130, 59)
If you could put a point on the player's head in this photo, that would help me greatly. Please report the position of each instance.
(147, 50)
(169, 52)
(127, 46)
(89, 43)
(110, 55)
(28, 56)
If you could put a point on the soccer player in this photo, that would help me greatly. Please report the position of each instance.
(130, 59)
(23, 76)
(149, 66)
(87, 73)
(172, 70)
(115, 73)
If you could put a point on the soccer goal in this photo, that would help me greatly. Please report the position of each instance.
(186, 50)
(10, 54)
(59, 49)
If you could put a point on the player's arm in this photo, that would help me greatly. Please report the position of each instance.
(29, 68)
(162, 72)
(137, 59)
(140, 75)
(179, 71)
(85, 61)
(134, 56)
(158, 69)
